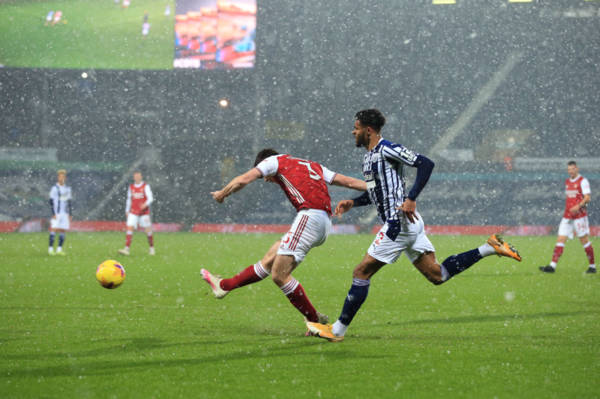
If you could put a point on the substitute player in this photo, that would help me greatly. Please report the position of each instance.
(305, 185)
(60, 204)
(137, 211)
(575, 218)
(403, 227)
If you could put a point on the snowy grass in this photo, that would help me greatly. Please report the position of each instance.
(501, 329)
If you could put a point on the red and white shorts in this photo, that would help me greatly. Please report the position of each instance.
(310, 229)
(142, 221)
(580, 226)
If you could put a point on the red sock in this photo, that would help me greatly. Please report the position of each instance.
(297, 296)
(558, 250)
(589, 251)
(128, 240)
(151, 239)
(249, 275)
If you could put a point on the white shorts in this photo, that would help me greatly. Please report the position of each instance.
(310, 229)
(142, 220)
(61, 221)
(581, 226)
(397, 237)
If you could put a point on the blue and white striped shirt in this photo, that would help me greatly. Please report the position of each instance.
(60, 199)
(383, 169)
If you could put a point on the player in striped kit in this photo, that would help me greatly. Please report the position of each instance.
(575, 218)
(137, 211)
(403, 227)
(305, 185)
(60, 204)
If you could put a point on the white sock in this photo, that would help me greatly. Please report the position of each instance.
(593, 266)
(486, 250)
(339, 329)
(553, 265)
(59, 249)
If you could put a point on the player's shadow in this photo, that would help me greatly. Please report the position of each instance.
(218, 355)
(479, 318)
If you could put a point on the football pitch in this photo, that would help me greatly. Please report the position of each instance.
(501, 329)
(91, 34)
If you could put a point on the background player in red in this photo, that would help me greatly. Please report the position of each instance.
(304, 183)
(137, 211)
(575, 218)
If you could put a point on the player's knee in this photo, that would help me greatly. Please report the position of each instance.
(436, 280)
(278, 279)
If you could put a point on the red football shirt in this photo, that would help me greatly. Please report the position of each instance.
(575, 190)
(304, 182)
(138, 199)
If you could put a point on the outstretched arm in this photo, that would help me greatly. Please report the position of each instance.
(349, 182)
(236, 184)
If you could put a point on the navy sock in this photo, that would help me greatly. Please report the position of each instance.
(457, 263)
(51, 240)
(61, 239)
(354, 300)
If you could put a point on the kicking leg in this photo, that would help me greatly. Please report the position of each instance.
(249, 275)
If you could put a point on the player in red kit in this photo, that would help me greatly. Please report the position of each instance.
(305, 185)
(575, 218)
(137, 210)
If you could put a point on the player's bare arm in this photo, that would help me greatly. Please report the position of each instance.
(586, 200)
(236, 184)
(409, 208)
(349, 182)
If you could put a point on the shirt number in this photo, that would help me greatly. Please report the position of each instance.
(311, 173)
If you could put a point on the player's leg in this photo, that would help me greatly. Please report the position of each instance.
(309, 230)
(582, 229)
(291, 288)
(422, 255)
(385, 248)
(146, 223)
(589, 253)
(61, 241)
(51, 237)
(132, 223)
(565, 230)
(251, 274)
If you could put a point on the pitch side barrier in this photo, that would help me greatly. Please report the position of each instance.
(38, 225)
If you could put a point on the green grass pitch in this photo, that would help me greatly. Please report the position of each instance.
(92, 34)
(501, 329)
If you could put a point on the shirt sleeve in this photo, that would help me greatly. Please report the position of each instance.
(585, 186)
(269, 166)
(399, 153)
(128, 202)
(149, 195)
(328, 175)
(53, 199)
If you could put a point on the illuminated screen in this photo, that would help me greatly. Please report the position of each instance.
(128, 34)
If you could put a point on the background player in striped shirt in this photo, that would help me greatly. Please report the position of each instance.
(575, 218)
(60, 204)
(305, 185)
(137, 211)
(403, 227)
